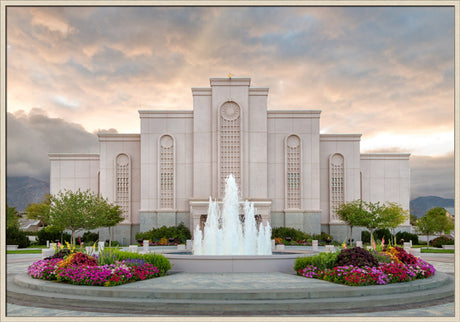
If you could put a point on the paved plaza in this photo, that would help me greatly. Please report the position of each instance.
(18, 263)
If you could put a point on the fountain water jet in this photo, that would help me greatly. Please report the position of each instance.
(226, 234)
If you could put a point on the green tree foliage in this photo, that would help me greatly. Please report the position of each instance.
(39, 211)
(75, 210)
(393, 215)
(15, 236)
(434, 222)
(351, 213)
(12, 219)
(112, 217)
(372, 215)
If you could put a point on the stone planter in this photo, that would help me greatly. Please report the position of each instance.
(448, 246)
(12, 247)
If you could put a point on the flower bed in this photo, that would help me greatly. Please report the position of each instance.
(80, 269)
(403, 267)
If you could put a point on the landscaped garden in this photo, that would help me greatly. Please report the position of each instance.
(109, 268)
(359, 267)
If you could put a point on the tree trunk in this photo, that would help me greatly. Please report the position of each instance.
(351, 235)
(73, 237)
(427, 241)
(372, 237)
(110, 237)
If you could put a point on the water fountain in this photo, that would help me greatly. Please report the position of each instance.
(229, 244)
(226, 234)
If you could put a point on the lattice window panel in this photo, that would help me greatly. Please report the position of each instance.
(122, 179)
(293, 172)
(336, 184)
(167, 160)
(230, 141)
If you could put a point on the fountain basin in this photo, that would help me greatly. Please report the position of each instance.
(279, 262)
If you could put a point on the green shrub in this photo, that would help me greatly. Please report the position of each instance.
(322, 237)
(15, 236)
(180, 233)
(407, 237)
(89, 237)
(381, 257)
(365, 236)
(442, 240)
(283, 232)
(383, 233)
(357, 257)
(321, 261)
(52, 234)
(157, 260)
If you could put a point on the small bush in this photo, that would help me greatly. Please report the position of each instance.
(15, 236)
(283, 232)
(365, 236)
(180, 233)
(379, 234)
(321, 261)
(442, 240)
(407, 237)
(357, 257)
(322, 237)
(89, 237)
(52, 233)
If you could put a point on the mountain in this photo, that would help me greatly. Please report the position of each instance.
(21, 191)
(419, 206)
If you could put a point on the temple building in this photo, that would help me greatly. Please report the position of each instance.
(295, 175)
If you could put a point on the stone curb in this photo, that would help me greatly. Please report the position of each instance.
(229, 301)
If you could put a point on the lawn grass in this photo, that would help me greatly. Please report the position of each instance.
(24, 251)
(437, 250)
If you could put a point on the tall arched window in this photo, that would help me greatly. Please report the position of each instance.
(229, 144)
(167, 176)
(123, 184)
(336, 183)
(293, 172)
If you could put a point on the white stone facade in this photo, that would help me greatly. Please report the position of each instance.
(295, 175)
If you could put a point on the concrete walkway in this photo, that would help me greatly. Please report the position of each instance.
(18, 263)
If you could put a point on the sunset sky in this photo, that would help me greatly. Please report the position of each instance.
(385, 72)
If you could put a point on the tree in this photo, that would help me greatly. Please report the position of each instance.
(427, 226)
(413, 219)
(78, 210)
(40, 211)
(12, 219)
(444, 224)
(112, 217)
(351, 213)
(372, 218)
(393, 215)
(435, 221)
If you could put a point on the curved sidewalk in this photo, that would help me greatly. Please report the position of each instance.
(253, 293)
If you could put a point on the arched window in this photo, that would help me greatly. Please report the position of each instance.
(336, 183)
(229, 144)
(123, 184)
(293, 172)
(167, 175)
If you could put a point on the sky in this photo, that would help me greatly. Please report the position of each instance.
(384, 72)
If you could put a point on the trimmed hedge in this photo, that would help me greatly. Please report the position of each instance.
(52, 233)
(283, 232)
(407, 237)
(180, 233)
(442, 240)
(15, 236)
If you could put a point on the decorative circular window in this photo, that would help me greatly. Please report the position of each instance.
(293, 141)
(166, 141)
(122, 160)
(230, 111)
(337, 159)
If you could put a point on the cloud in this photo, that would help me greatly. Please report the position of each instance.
(385, 72)
(432, 176)
(30, 137)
